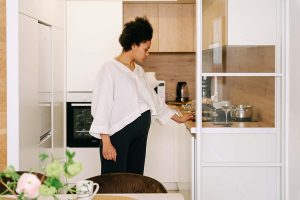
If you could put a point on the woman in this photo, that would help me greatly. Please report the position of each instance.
(123, 103)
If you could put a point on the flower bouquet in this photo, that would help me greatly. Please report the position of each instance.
(31, 186)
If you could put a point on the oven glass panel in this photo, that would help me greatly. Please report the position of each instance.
(79, 120)
(82, 122)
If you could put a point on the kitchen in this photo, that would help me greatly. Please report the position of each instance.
(258, 70)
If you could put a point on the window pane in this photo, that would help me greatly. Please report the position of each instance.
(251, 101)
(239, 59)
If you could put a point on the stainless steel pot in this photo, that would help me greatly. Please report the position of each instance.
(242, 113)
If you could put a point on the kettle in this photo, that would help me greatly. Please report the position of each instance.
(182, 92)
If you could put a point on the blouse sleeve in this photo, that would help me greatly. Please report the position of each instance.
(102, 102)
(164, 113)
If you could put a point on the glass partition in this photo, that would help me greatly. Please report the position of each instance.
(240, 63)
(245, 101)
(239, 59)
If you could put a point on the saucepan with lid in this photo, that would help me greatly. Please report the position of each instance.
(242, 113)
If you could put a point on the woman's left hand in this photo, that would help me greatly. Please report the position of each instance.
(183, 118)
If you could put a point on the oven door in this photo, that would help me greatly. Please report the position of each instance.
(79, 120)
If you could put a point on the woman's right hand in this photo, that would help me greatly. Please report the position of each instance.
(108, 151)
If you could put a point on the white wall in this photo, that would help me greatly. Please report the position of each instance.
(246, 28)
(12, 65)
(93, 29)
(294, 101)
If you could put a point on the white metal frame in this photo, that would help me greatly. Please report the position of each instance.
(12, 52)
(197, 172)
(285, 55)
(281, 91)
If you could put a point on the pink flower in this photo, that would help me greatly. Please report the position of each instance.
(29, 184)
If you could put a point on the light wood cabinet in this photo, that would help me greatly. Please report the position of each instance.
(142, 9)
(214, 23)
(173, 24)
(176, 27)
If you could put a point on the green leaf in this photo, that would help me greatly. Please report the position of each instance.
(43, 156)
(20, 196)
(10, 172)
(70, 155)
(54, 182)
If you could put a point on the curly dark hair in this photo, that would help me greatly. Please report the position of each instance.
(135, 32)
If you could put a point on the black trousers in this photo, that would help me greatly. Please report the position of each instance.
(130, 144)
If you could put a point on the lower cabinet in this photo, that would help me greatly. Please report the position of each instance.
(236, 183)
(239, 165)
(185, 160)
(161, 154)
(169, 159)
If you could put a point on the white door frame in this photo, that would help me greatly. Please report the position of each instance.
(283, 32)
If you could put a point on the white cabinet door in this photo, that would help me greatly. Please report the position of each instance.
(58, 67)
(29, 8)
(48, 11)
(45, 78)
(185, 155)
(252, 22)
(93, 29)
(52, 12)
(161, 154)
(237, 183)
(241, 147)
(29, 120)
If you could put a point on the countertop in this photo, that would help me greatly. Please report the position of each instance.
(191, 126)
(239, 125)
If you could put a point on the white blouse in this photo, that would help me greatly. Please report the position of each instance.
(117, 96)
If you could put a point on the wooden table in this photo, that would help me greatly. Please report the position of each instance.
(135, 196)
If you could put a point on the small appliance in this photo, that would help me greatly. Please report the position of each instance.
(182, 92)
(161, 90)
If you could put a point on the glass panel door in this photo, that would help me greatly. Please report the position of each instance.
(239, 63)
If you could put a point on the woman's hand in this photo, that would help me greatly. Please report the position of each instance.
(108, 151)
(183, 118)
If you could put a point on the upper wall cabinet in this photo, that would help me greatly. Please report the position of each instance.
(143, 9)
(176, 27)
(168, 20)
(48, 11)
(93, 30)
(239, 22)
(214, 22)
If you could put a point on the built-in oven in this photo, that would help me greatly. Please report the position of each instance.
(79, 120)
